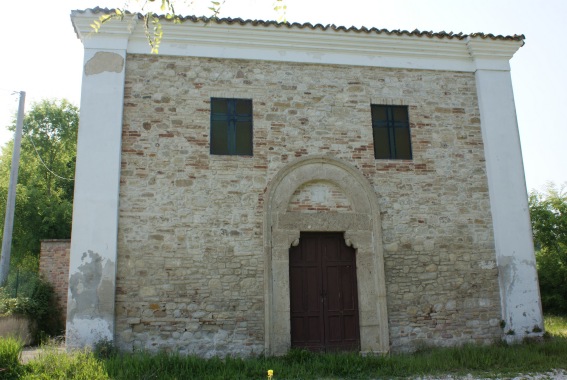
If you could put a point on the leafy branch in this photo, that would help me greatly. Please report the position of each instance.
(216, 7)
(152, 23)
(281, 10)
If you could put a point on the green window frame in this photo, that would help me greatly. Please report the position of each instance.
(391, 132)
(231, 127)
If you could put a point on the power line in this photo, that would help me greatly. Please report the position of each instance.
(45, 166)
(12, 92)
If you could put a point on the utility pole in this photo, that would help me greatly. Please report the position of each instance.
(11, 201)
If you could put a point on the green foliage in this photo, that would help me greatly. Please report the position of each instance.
(556, 325)
(44, 204)
(56, 365)
(46, 314)
(36, 300)
(22, 278)
(281, 10)
(15, 306)
(549, 223)
(105, 349)
(152, 23)
(44, 196)
(10, 350)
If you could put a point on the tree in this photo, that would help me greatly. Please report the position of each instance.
(44, 197)
(152, 23)
(548, 212)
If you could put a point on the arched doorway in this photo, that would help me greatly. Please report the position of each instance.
(323, 194)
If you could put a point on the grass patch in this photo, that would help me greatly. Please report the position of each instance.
(556, 325)
(53, 364)
(499, 359)
(486, 361)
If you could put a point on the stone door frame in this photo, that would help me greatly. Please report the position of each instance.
(331, 267)
(362, 231)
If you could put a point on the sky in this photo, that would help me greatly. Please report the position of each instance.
(42, 55)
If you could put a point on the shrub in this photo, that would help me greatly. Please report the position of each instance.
(548, 213)
(10, 350)
(552, 274)
(105, 349)
(18, 306)
(36, 301)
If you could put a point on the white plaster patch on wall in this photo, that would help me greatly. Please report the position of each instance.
(487, 264)
(90, 288)
(90, 331)
(104, 61)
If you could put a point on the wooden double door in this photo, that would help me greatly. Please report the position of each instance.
(323, 294)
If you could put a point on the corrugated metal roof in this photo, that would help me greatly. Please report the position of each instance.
(397, 32)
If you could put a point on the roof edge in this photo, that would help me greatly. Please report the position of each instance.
(296, 25)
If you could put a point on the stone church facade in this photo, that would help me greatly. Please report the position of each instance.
(233, 195)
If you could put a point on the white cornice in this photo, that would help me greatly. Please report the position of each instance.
(112, 35)
(281, 43)
(489, 54)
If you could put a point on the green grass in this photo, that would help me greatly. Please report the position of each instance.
(486, 361)
(556, 325)
(499, 359)
(53, 364)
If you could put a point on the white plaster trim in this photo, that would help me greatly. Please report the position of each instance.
(96, 198)
(112, 35)
(489, 56)
(519, 290)
(280, 43)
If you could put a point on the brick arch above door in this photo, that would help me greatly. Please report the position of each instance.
(362, 230)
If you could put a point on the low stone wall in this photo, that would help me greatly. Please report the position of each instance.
(16, 326)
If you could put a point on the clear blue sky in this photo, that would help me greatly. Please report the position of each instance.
(42, 56)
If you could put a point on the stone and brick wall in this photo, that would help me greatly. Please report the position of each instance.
(54, 266)
(190, 246)
(319, 196)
